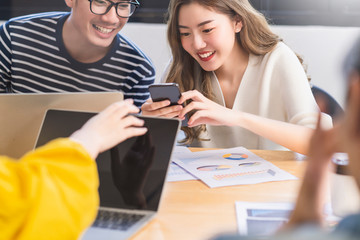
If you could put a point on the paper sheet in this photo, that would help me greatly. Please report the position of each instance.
(261, 219)
(265, 218)
(228, 167)
(177, 173)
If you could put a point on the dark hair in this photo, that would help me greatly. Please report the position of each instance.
(352, 60)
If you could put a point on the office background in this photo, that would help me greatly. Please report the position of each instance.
(281, 12)
(321, 31)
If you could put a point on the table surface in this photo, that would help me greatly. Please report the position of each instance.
(192, 210)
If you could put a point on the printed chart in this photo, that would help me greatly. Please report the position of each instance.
(228, 167)
(175, 172)
(214, 168)
(265, 218)
(261, 219)
(235, 156)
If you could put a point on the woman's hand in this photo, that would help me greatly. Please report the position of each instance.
(110, 127)
(160, 109)
(207, 111)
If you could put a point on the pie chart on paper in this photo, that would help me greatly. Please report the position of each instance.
(235, 156)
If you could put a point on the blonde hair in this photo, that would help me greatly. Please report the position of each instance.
(255, 38)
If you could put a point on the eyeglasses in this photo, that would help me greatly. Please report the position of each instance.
(124, 9)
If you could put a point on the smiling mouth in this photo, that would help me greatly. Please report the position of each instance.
(102, 29)
(206, 56)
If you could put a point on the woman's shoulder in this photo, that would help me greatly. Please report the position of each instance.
(281, 54)
(282, 50)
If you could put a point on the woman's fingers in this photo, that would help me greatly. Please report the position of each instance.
(192, 106)
(204, 117)
(193, 95)
(198, 118)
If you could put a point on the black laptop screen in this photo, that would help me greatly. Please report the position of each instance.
(132, 174)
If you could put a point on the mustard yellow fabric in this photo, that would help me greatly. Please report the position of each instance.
(50, 193)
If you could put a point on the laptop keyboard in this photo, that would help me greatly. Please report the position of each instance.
(116, 220)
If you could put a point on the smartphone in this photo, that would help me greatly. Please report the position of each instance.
(166, 91)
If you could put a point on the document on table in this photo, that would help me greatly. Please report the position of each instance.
(261, 219)
(265, 218)
(228, 167)
(175, 172)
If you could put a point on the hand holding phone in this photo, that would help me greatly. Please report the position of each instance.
(166, 91)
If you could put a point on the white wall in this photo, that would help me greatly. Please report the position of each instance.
(323, 50)
(151, 38)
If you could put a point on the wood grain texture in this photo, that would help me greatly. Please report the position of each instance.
(192, 210)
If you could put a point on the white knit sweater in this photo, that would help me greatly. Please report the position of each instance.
(274, 86)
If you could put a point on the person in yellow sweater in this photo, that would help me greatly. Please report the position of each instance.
(52, 192)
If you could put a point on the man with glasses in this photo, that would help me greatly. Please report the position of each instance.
(78, 51)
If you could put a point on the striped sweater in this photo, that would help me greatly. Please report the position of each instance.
(33, 59)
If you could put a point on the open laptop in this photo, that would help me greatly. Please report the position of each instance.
(22, 114)
(132, 174)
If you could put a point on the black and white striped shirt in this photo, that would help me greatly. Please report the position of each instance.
(33, 59)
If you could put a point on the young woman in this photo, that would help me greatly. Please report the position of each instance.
(241, 84)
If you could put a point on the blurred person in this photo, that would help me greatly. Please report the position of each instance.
(307, 219)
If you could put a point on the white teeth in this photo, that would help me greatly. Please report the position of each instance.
(103, 30)
(205, 55)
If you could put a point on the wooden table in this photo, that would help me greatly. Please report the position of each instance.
(192, 210)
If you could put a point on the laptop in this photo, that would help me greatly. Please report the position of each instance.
(22, 114)
(132, 174)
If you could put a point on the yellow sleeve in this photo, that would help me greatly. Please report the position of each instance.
(50, 193)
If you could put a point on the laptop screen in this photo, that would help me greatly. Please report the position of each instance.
(131, 174)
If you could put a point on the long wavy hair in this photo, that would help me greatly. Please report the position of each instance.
(255, 37)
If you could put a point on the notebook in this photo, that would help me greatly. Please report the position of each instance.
(22, 114)
(132, 174)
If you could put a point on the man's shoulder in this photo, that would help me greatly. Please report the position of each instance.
(125, 44)
(37, 17)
